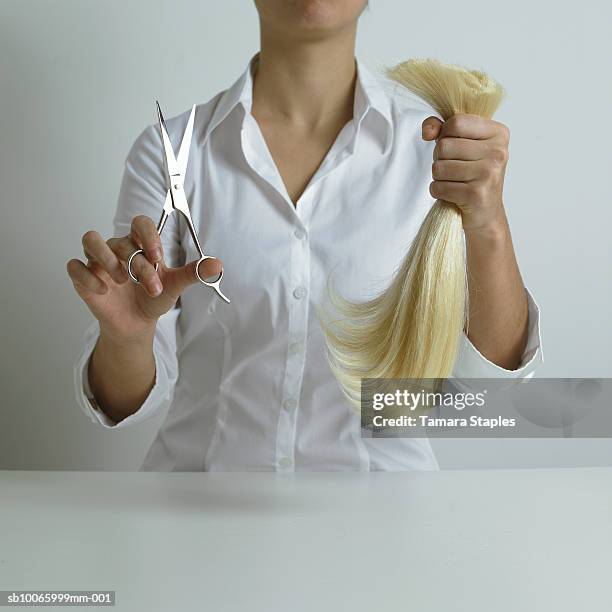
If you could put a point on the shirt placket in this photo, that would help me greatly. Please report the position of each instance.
(299, 289)
(297, 329)
(299, 304)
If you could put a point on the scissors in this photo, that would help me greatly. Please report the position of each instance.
(176, 199)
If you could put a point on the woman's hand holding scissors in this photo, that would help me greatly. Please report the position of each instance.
(128, 311)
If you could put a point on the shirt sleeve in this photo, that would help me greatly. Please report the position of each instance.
(166, 374)
(142, 192)
(473, 364)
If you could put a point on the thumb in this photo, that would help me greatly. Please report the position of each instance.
(431, 128)
(176, 280)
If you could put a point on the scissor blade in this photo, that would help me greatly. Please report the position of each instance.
(183, 155)
(170, 159)
(168, 203)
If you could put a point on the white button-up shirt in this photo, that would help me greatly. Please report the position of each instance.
(247, 384)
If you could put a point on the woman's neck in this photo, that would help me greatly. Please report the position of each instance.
(305, 82)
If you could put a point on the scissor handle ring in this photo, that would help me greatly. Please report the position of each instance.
(215, 284)
(129, 265)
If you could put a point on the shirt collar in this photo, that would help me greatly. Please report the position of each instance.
(369, 96)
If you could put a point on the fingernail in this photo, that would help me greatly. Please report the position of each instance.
(156, 254)
(157, 288)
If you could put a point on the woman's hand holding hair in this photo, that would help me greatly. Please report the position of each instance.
(470, 159)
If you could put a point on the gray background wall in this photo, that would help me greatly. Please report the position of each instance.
(77, 83)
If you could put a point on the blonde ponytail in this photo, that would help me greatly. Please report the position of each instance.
(412, 330)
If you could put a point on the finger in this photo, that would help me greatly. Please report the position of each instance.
(122, 247)
(181, 278)
(474, 127)
(147, 276)
(459, 148)
(83, 278)
(141, 267)
(450, 191)
(431, 128)
(97, 250)
(210, 269)
(144, 232)
(455, 170)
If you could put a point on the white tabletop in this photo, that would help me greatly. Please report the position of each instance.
(444, 541)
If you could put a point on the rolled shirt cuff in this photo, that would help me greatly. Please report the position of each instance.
(160, 394)
(471, 363)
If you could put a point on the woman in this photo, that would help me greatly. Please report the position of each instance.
(305, 166)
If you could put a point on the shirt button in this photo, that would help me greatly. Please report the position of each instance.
(295, 348)
(299, 293)
(289, 404)
(299, 234)
(284, 462)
